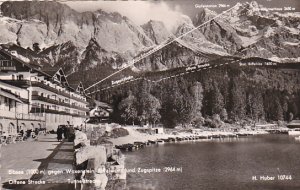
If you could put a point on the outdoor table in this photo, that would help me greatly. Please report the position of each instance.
(10, 139)
(19, 138)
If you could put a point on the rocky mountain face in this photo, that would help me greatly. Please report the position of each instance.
(49, 23)
(63, 55)
(251, 30)
(176, 54)
(52, 23)
(92, 41)
(156, 31)
(95, 54)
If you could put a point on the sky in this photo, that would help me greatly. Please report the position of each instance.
(139, 12)
(189, 8)
(166, 11)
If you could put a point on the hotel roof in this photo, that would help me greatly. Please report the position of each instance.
(50, 70)
(30, 66)
(47, 71)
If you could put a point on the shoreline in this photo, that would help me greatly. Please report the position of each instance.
(107, 154)
(136, 136)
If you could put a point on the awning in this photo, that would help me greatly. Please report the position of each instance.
(9, 95)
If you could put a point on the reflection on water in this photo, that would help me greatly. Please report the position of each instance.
(218, 164)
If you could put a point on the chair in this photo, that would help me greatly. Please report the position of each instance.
(10, 139)
(3, 140)
(19, 138)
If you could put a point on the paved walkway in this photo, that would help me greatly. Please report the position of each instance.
(46, 155)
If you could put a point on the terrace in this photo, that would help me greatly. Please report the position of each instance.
(44, 110)
(27, 83)
(56, 102)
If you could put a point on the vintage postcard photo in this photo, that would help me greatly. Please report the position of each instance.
(150, 95)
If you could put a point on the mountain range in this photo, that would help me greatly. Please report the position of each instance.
(87, 43)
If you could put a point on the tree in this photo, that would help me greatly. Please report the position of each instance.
(177, 104)
(255, 104)
(273, 105)
(217, 100)
(149, 109)
(291, 116)
(189, 102)
(147, 104)
(153, 107)
(224, 114)
(277, 113)
(294, 109)
(237, 101)
(128, 108)
(197, 93)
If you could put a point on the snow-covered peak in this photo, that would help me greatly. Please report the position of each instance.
(270, 31)
(253, 8)
(112, 16)
(290, 14)
(238, 4)
(156, 31)
(203, 15)
(182, 21)
(254, 5)
(209, 12)
(237, 7)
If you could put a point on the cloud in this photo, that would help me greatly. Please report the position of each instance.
(139, 12)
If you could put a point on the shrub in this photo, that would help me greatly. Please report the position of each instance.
(214, 122)
(198, 122)
(119, 132)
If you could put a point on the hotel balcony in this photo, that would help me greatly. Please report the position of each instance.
(18, 83)
(34, 117)
(49, 88)
(54, 90)
(56, 102)
(43, 110)
(78, 115)
(79, 100)
(27, 83)
(7, 65)
(2, 68)
(79, 108)
(48, 100)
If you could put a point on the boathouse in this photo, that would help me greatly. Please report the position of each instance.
(294, 124)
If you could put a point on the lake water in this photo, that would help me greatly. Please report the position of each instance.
(230, 164)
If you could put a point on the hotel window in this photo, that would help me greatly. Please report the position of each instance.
(5, 101)
(1, 129)
(20, 77)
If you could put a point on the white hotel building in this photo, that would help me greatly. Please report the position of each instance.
(32, 98)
